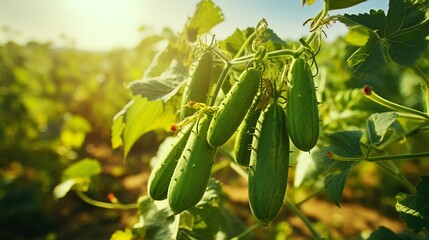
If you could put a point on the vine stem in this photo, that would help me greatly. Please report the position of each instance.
(220, 82)
(319, 18)
(425, 85)
(310, 196)
(247, 232)
(303, 218)
(392, 169)
(369, 93)
(107, 205)
(336, 157)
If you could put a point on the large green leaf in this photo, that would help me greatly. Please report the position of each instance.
(161, 87)
(206, 16)
(400, 35)
(139, 117)
(414, 209)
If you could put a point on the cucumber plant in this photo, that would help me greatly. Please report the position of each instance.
(269, 109)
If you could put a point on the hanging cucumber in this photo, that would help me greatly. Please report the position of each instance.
(160, 176)
(302, 106)
(198, 83)
(192, 173)
(243, 141)
(269, 164)
(234, 107)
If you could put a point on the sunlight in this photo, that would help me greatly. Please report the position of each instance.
(104, 22)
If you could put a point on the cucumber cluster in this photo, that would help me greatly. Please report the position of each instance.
(262, 126)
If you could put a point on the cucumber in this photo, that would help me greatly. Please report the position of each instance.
(192, 173)
(269, 164)
(243, 141)
(160, 176)
(302, 106)
(234, 107)
(198, 83)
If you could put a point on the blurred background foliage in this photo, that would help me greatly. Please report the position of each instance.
(57, 106)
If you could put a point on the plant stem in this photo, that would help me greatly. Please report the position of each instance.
(425, 85)
(393, 170)
(369, 93)
(220, 166)
(248, 40)
(247, 232)
(336, 157)
(319, 18)
(303, 218)
(220, 82)
(96, 203)
(310, 196)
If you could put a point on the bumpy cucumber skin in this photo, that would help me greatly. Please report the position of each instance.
(243, 141)
(269, 164)
(161, 174)
(198, 83)
(234, 107)
(192, 173)
(302, 106)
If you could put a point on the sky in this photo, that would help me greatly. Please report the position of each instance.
(100, 25)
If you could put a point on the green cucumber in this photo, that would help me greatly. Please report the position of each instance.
(160, 176)
(302, 106)
(269, 164)
(234, 107)
(192, 173)
(198, 83)
(243, 141)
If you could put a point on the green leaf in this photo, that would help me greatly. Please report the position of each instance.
(234, 42)
(206, 16)
(357, 37)
(77, 175)
(414, 209)
(400, 35)
(334, 184)
(384, 233)
(209, 219)
(161, 61)
(162, 87)
(383, 126)
(346, 144)
(84, 168)
(339, 4)
(138, 117)
(156, 221)
(63, 188)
